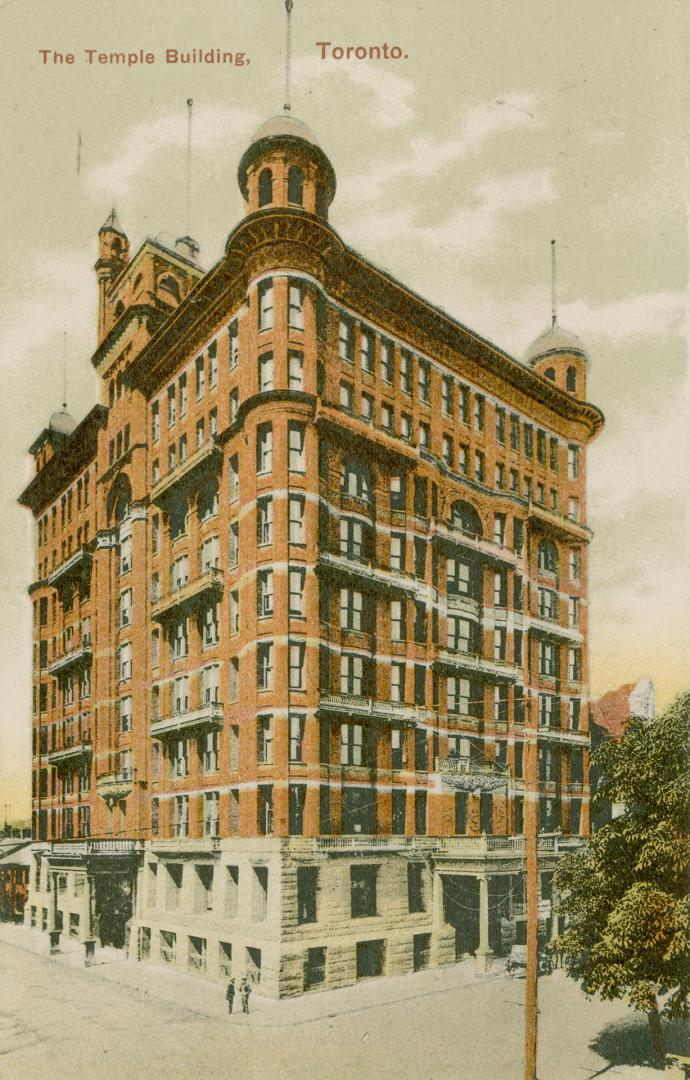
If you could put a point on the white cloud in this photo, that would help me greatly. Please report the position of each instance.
(470, 229)
(425, 155)
(648, 314)
(214, 127)
(391, 93)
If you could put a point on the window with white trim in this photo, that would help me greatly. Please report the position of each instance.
(265, 305)
(296, 576)
(264, 593)
(351, 674)
(296, 445)
(126, 607)
(210, 755)
(264, 739)
(350, 609)
(366, 351)
(295, 370)
(296, 305)
(296, 519)
(234, 611)
(264, 665)
(397, 681)
(200, 372)
(181, 695)
(264, 525)
(265, 372)
(125, 714)
(296, 724)
(264, 448)
(398, 620)
(125, 554)
(179, 639)
(124, 655)
(296, 653)
(351, 744)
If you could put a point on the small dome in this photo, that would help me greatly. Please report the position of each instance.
(61, 422)
(279, 126)
(554, 340)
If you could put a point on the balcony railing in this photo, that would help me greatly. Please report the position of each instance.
(186, 845)
(207, 455)
(188, 591)
(76, 655)
(467, 774)
(456, 602)
(366, 706)
(547, 625)
(96, 847)
(72, 567)
(473, 662)
(556, 523)
(556, 733)
(81, 748)
(374, 575)
(208, 715)
(492, 551)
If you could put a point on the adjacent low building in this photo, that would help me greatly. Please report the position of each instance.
(303, 577)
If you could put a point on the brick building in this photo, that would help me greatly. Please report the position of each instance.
(301, 577)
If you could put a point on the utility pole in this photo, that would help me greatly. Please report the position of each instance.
(531, 835)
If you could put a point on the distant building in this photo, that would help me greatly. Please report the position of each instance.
(15, 862)
(609, 717)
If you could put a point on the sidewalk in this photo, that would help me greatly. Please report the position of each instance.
(206, 997)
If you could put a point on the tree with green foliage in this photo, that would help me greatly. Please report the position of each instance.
(624, 895)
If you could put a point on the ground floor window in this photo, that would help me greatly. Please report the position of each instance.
(224, 959)
(421, 951)
(253, 957)
(144, 942)
(168, 943)
(314, 968)
(196, 954)
(73, 924)
(371, 958)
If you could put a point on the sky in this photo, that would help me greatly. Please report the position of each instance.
(503, 125)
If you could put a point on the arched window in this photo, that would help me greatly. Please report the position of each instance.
(571, 380)
(208, 500)
(465, 518)
(119, 499)
(178, 516)
(170, 284)
(550, 374)
(548, 556)
(265, 187)
(295, 185)
(356, 480)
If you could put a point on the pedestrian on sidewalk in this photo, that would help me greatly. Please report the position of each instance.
(230, 994)
(245, 991)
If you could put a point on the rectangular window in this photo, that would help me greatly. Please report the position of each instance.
(363, 881)
(351, 674)
(211, 624)
(210, 757)
(234, 345)
(296, 305)
(479, 412)
(172, 406)
(347, 396)
(447, 395)
(350, 609)
(264, 665)
(296, 455)
(297, 721)
(296, 652)
(574, 665)
(307, 885)
(295, 370)
(541, 446)
(387, 417)
(367, 407)
(405, 372)
(366, 351)
(126, 607)
(234, 552)
(479, 467)
(264, 737)
(182, 391)
(500, 589)
(424, 380)
(514, 432)
(125, 661)
(265, 372)
(296, 576)
(126, 714)
(265, 305)
(264, 448)
(264, 593)
(200, 373)
(346, 340)
(574, 509)
(397, 681)
(234, 402)
(211, 828)
(386, 361)
(573, 462)
(415, 887)
(125, 554)
(155, 422)
(528, 432)
(553, 454)
(234, 478)
(398, 620)
(397, 551)
(499, 529)
(265, 520)
(296, 519)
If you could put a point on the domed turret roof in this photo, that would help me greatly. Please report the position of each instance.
(282, 125)
(61, 422)
(554, 340)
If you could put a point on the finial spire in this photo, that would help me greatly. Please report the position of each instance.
(64, 369)
(190, 104)
(553, 283)
(288, 53)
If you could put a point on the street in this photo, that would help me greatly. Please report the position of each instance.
(124, 1020)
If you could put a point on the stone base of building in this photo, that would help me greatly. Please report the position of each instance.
(293, 914)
